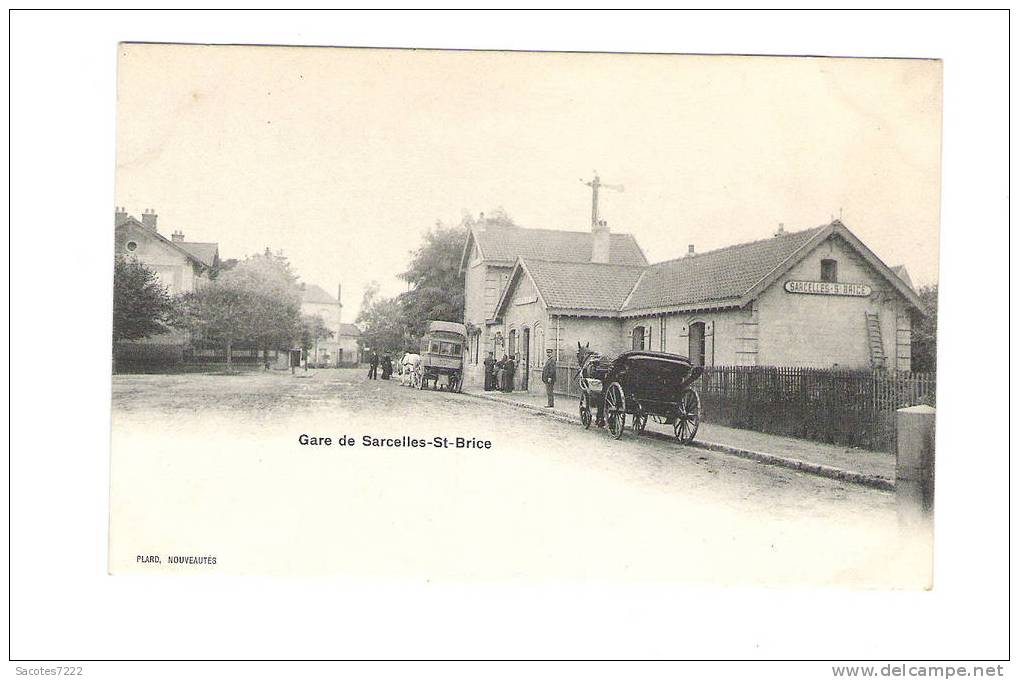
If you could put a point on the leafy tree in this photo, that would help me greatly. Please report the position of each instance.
(925, 332)
(142, 307)
(276, 298)
(436, 284)
(256, 301)
(219, 312)
(383, 327)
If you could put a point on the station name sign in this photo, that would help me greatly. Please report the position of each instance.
(828, 288)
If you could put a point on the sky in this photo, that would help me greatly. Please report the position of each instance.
(344, 158)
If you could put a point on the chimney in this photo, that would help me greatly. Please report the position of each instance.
(119, 216)
(149, 219)
(177, 236)
(600, 242)
(689, 251)
(339, 302)
(781, 229)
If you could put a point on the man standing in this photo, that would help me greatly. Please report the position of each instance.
(489, 371)
(548, 377)
(373, 366)
(500, 372)
(507, 378)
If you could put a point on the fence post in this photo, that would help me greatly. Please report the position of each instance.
(914, 481)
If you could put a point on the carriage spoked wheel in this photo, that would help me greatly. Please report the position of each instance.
(615, 410)
(585, 411)
(688, 416)
(639, 422)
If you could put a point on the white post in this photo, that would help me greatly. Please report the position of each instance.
(914, 487)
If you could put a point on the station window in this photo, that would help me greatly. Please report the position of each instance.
(829, 271)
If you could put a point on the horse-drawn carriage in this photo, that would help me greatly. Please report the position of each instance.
(442, 356)
(641, 384)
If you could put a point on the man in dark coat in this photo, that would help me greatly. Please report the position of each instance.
(500, 373)
(387, 366)
(373, 366)
(511, 367)
(490, 372)
(548, 377)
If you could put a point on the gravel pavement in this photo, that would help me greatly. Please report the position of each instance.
(547, 500)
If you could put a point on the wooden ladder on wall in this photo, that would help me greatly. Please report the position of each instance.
(878, 359)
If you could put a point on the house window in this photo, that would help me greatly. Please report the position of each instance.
(696, 343)
(131, 246)
(638, 337)
(829, 271)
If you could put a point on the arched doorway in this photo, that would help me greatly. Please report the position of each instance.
(697, 343)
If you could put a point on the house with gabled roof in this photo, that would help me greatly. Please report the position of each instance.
(342, 348)
(812, 298)
(181, 267)
(489, 255)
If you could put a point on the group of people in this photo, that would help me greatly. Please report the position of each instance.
(406, 367)
(374, 361)
(499, 374)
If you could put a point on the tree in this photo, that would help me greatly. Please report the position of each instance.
(257, 301)
(925, 332)
(220, 312)
(383, 327)
(276, 298)
(437, 286)
(142, 307)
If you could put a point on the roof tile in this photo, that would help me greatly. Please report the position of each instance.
(583, 285)
(508, 243)
(722, 274)
(313, 293)
(206, 252)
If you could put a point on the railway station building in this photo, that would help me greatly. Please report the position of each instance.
(816, 298)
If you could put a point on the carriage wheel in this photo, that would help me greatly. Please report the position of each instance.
(585, 411)
(615, 410)
(688, 416)
(639, 422)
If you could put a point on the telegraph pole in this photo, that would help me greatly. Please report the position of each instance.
(595, 185)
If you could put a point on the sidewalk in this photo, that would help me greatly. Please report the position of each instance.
(858, 466)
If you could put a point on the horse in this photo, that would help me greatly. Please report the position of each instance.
(593, 365)
(410, 366)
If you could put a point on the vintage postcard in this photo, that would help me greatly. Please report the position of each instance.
(459, 315)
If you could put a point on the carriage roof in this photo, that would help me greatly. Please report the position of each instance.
(447, 327)
(666, 357)
(653, 376)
